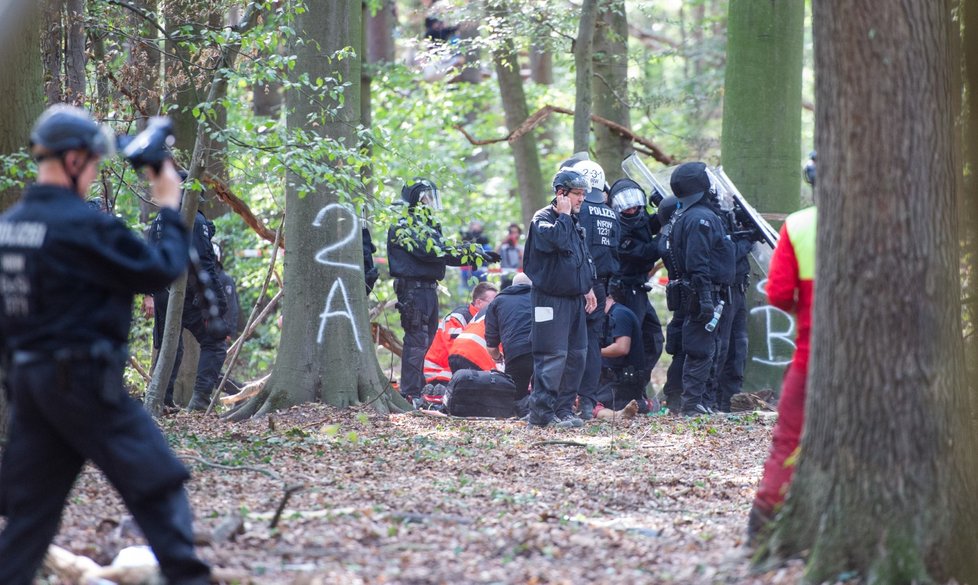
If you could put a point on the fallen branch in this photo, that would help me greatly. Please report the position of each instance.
(224, 193)
(565, 443)
(247, 391)
(540, 115)
(289, 490)
(207, 463)
(385, 337)
(139, 369)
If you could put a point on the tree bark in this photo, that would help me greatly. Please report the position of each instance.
(582, 62)
(529, 177)
(761, 141)
(52, 49)
(611, 87)
(969, 189)
(885, 485)
(75, 55)
(325, 354)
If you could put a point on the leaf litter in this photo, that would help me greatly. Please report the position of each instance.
(316, 495)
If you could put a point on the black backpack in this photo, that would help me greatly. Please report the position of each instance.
(478, 393)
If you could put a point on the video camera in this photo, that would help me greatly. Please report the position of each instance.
(150, 147)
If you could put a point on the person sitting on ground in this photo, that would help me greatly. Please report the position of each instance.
(436, 368)
(623, 373)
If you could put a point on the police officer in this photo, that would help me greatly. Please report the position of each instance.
(557, 260)
(69, 274)
(210, 334)
(601, 233)
(639, 252)
(417, 255)
(705, 268)
(673, 388)
(623, 376)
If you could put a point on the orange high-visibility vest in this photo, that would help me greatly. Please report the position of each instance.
(471, 344)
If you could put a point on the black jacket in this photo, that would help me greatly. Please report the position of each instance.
(416, 248)
(509, 318)
(601, 233)
(639, 248)
(555, 257)
(703, 251)
(207, 263)
(69, 272)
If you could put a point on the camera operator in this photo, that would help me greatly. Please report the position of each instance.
(69, 274)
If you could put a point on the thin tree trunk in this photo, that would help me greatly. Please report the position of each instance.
(541, 65)
(528, 175)
(582, 85)
(75, 55)
(885, 485)
(52, 49)
(969, 134)
(611, 87)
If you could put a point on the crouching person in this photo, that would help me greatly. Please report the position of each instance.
(623, 373)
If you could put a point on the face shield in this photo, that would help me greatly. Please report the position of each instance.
(429, 195)
(628, 198)
(102, 142)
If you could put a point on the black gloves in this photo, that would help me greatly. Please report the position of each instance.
(217, 327)
(706, 305)
(491, 256)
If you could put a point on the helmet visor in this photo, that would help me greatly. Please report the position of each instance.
(103, 142)
(429, 196)
(628, 198)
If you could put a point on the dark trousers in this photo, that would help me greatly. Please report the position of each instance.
(213, 350)
(700, 347)
(520, 369)
(637, 299)
(592, 363)
(616, 395)
(673, 388)
(62, 417)
(732, 354)
(559, 340)
(418, 304)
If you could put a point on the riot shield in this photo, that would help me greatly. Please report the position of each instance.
(745, 211)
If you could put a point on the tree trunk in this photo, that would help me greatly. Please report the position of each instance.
(52, 49)
(761, 144)
(885, 485)
(541, 65)
(75, 55)
(527, 161)
(611, 87)
(582, 62)
(326, 353)
(761, 141)
(144, 72)
(380, 25)
(969, 51)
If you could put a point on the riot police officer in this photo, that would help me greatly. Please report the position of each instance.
(601, 233)
(705, 268)
(639, 252)
(557, 260)
(417, 255)
(673, 388)
(69, 274)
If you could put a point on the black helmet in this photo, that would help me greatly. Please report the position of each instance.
(667, 207)
(625, 194)
(689, 182)
(421, 191)
(809, 169)
(570, 179)
(62, 128)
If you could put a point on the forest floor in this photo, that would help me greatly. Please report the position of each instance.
(414, 499)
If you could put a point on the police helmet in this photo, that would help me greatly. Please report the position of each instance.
(62, 128)
(809, 169)
(625, 194)
(593, 172)
(421, 191)
(690, 182)
(667, 207)
(568, 179)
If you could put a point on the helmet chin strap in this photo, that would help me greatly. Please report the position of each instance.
(73, 177)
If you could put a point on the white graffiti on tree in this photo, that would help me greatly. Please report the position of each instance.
(338, 285)
(779, 328)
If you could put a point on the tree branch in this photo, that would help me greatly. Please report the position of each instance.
(237, 205)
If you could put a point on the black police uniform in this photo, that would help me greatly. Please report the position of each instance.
(557, 260)
(68, 274)
(705, 263)
(417, 256)
(601, 233)
(370, 271)
(509, 321)
(732, 330)
(673, 388)
(212, 340)
(639, 252)
(624, 378)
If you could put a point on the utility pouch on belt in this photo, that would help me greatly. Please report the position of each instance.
(674, 295)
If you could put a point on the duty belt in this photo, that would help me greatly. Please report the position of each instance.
(414, 283)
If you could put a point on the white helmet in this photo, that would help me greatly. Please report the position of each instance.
(593, 172)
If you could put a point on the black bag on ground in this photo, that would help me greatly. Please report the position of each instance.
(479, 393)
